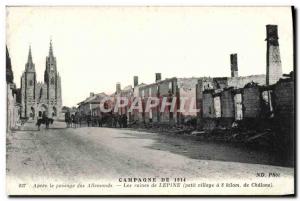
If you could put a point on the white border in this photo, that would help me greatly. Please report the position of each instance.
(4, 3)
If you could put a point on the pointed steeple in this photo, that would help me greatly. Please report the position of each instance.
(51, 49)
(29, 56)
(30, 64)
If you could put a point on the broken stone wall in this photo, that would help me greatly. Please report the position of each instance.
(240, 82)
(153, 114)
(220, 82)
(227, 103)
(238, 106)
(187, 89)
(217, 105)
(284, 114)
(227, 107)
(251, 102)
(284, 98)
(204, 83)
(167, 88)
(208, 104)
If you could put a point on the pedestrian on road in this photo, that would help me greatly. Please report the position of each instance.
(88, 119)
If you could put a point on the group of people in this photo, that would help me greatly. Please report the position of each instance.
(43, 119)
(110, 120)
(73, 120)
(120, 120)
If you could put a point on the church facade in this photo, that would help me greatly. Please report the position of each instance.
(41, 98)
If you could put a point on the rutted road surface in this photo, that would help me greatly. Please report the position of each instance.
(68, 154)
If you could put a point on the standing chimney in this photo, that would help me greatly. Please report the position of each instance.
(157, 77)
(118, 87)
(234, 65)
(135, 81)
(274, 69)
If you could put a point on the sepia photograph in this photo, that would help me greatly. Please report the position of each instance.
(150, 100)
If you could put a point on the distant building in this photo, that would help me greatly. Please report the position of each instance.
(169, 89)
(91, 105)
(41, 97)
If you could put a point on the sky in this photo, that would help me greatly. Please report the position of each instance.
(96, 47)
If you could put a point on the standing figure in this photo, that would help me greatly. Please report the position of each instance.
(72, 120)
(68, 119)
(88, 119)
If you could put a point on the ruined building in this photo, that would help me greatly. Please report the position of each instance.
(214, 94)
(249, 97)
(170, 88)
(38, 98)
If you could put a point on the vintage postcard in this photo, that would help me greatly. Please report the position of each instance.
(149, 100)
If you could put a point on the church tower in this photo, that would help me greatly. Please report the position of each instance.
(50, 75)
(52, 81)
(41, 98)
(28, 85)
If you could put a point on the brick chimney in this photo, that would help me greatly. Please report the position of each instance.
(135, 81)
(157, 77)
(274, 68)
(118, 87)
(92, 94)
(234, 65)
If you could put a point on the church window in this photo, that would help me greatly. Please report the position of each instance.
(30, 82)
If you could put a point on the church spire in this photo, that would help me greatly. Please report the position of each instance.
(29, 56)
(30, 64)
(51, 49)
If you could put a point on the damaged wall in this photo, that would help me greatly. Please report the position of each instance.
(251, 102)
(204, 83)
(240, 82)
(167, 88)
(227, 103)
(145, 92)
(238, 106)
(208, 104)
(217, 105)
(283, 95)
(221, 83)
(187, 89)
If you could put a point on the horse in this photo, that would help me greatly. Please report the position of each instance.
(44, 120)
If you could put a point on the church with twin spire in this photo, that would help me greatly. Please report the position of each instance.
(41, 98)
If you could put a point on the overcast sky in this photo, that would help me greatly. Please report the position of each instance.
(96, 47)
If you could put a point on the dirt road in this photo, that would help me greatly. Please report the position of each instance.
(106, 152)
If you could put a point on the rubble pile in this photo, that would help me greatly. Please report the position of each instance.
(251, 134)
